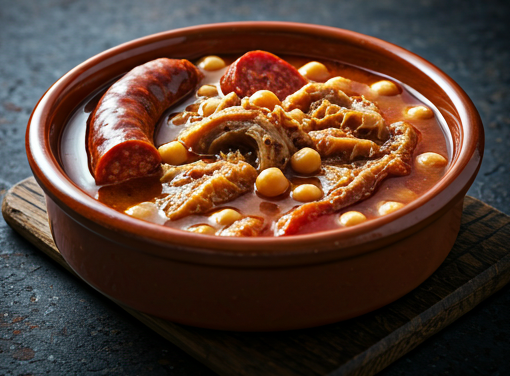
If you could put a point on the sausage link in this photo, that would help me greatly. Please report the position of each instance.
(261, 70)
(121, 128)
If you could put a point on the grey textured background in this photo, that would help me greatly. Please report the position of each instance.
(51, 323)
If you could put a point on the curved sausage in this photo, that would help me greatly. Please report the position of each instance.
(121, 128)
(261, 70)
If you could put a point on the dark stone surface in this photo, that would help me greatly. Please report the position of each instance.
(51, 323)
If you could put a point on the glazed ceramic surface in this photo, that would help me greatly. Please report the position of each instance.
(255, 283)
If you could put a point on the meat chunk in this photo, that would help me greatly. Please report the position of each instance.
(235, 128)
(335, 142)
(229, 100)
(198, 187)
(295, 136)
(315, 92)
(349, 184)
(247, 226)
(328, 107)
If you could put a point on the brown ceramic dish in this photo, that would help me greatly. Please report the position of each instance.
(255, 284)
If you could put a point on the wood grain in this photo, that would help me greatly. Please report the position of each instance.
(477, 266)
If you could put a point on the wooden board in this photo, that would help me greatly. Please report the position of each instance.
(478, 266)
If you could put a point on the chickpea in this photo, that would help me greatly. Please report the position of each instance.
(306, 161)
(207, 91)
(419, 113)
(203, 229)
(265, 98)
(271, 182)
(173, 153)
(385, 87)
(209, 106)
(338, 83)
(352, 218)
(389, 207)
(405, 195)
(144, 210)
(225, 217)
(211, 63)
(431, 160)
(306, 193)
(297, 114)
(315, 71)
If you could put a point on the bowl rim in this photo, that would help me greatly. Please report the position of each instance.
(79, 204)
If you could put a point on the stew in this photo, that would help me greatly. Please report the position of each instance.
(255, 146)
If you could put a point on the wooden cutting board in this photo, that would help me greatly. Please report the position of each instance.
(477, 266)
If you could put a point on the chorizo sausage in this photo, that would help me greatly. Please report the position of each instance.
(261, 70)
(121, 128)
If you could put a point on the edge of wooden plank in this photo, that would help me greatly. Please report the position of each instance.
(436, 318)
(16, 217)
(178, 338)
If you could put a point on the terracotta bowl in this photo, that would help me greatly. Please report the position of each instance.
(255, 284)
